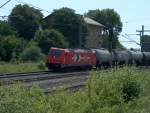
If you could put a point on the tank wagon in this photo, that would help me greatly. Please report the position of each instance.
(121, 57)
(137, 57)
(103, 58)
(146, 58)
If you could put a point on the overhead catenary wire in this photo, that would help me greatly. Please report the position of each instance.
(5, 3)
(130, 40)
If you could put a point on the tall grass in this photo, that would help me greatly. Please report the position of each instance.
(105, 92)
(21, 67)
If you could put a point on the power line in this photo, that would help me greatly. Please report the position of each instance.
(5, 3)
(132, 34)
(130, 40)
(135, 20)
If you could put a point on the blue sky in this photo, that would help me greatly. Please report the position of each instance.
(134, 13)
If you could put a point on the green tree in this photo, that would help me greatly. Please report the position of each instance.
(70, 24)
(10, 46)
(105, 42)
(111, 19)
(6, 29)
(26, 20)
(48, 38)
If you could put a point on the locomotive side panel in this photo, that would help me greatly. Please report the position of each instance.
(81, 58)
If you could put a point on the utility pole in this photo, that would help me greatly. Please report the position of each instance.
(111, 36)
(142, 35)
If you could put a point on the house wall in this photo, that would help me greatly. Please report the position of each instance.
(93, 37)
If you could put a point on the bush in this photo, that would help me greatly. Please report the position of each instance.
(41, 66)
(130, 87)
(32, 53)
(10, 46)
(48, 38)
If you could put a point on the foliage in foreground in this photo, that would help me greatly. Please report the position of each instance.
(103, 94)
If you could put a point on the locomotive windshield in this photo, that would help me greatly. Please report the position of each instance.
(55, 53)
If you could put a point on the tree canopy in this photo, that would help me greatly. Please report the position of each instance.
(26, 20)
(108, 17)
(70, 24)
(49, 38)
(6, 29)
(111, 19)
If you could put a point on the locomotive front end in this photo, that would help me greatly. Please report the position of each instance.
(55, 58)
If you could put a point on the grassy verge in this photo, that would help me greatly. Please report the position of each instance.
(111, 91)
(21, 67)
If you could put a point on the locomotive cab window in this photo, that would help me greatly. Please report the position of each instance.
(55, 53)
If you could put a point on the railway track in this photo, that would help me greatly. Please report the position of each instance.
(5, 75)
(36, 76)
(48, 81)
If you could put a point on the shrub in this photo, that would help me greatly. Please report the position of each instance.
(32, 53)
(10, 46)
(130, 87)
(41, 66)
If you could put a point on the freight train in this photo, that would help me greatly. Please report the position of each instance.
(62, 59)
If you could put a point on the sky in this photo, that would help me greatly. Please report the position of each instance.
(133, 13)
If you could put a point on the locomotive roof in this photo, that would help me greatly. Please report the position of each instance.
(81, 50)
(74, 50)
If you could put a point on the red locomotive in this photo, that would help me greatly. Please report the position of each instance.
(59, 58)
